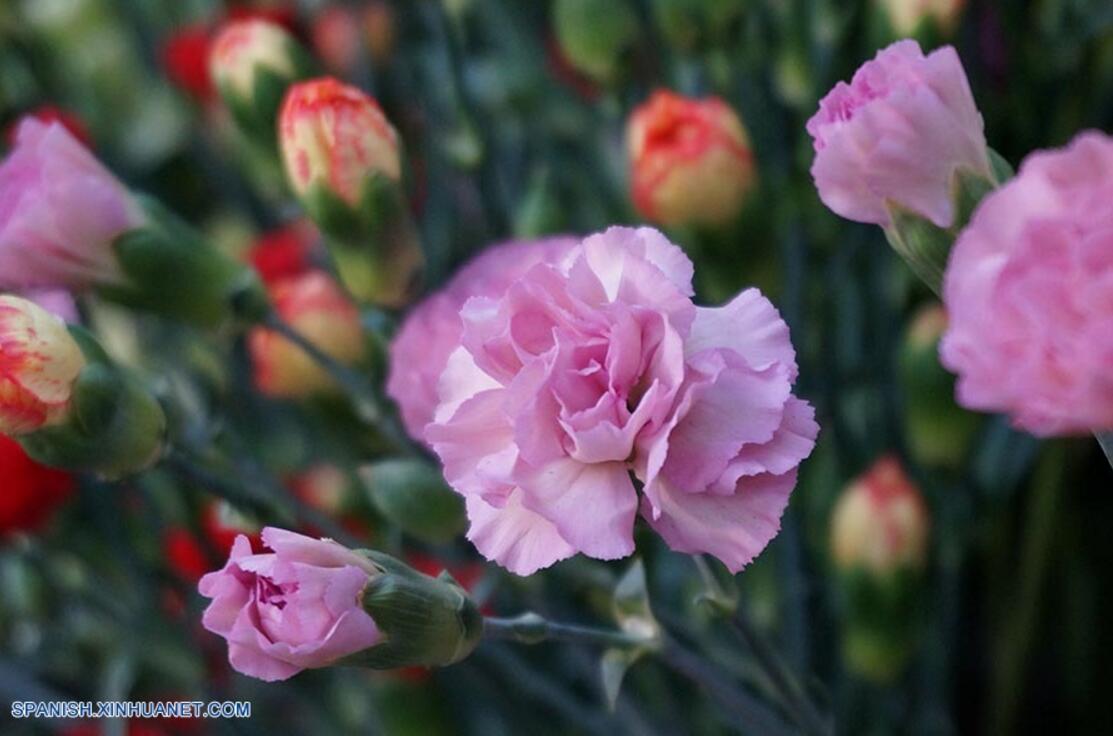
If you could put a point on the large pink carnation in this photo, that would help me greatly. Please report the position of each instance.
(432, 329)
(896, 135)
(595, 376)
(1029, 292)
(295, 608)
(60, 211)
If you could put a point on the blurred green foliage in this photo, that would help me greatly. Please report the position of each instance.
(509, 136)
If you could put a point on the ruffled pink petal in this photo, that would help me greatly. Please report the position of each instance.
(520, 540)
(734, 528)
(592, 505)
(749, 325)
(793, 441)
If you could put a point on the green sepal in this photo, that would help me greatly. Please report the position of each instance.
(881, 622)
(412, 494)
(425, 621)
(635, 616)
(924, 245)
(374, 245)
(115, 427)
(171, 271)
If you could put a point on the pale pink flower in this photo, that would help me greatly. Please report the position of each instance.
(296, 608)
(896, 135)
(597, 369)
(431, 331)
(1029, 292)
(60, 213)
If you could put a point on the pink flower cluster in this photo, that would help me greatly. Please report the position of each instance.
(592, 388)
(896, 135)
(293, 609)
(1029, 292)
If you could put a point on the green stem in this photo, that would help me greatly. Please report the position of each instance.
(793, 697)
(1023, 615)
(532, 628)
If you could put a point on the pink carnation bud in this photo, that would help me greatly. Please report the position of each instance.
(897, 135)
(596, 369)
(317, 308)
(880, 523)
(432, 329)
(39, 363)
(690, 160)
(334, 135)
(298, 607)
(1029, 292)
(60, 213)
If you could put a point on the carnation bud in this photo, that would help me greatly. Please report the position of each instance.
(595, 35)
(427, 622)
(39, 364)
(252, 63)
(912, 17)
(879, 545)
(343, 161)
(413, 495)
(324, 487)
(314, 603)
(938, 431)
(880, 523)
(66, 402)
(317, 308)
(690, 160)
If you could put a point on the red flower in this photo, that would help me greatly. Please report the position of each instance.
(185, 555)
(31, 492)
(185, 57)
(285, 252)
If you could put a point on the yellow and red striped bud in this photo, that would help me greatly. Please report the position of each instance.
(880, 523)
(39, 363)
(690, 160)
(245, 48)
(335, 135)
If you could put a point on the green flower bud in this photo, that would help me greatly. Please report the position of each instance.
(413, 495)
(594, 35)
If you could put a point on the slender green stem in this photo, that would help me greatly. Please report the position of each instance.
(358, 389)
(1105, 439)
(531, 628)
(719, 687)
(793, 696)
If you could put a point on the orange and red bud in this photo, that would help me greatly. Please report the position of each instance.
(39, 364)
(315, 306)
(690, 161)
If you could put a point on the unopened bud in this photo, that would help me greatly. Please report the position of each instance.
(911, 17)
(318, 309)
(880, 523)
(690, 160)
(938, 431)
(252, 63)
(39, 364)
(343, 161)
(595, 35)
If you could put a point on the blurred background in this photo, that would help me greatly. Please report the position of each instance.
(981, 611)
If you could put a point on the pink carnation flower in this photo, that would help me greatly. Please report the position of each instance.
(596, 370)
(293, 609)
(432, 329)
(896, 135)
(60, 211)
(1029, 292)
